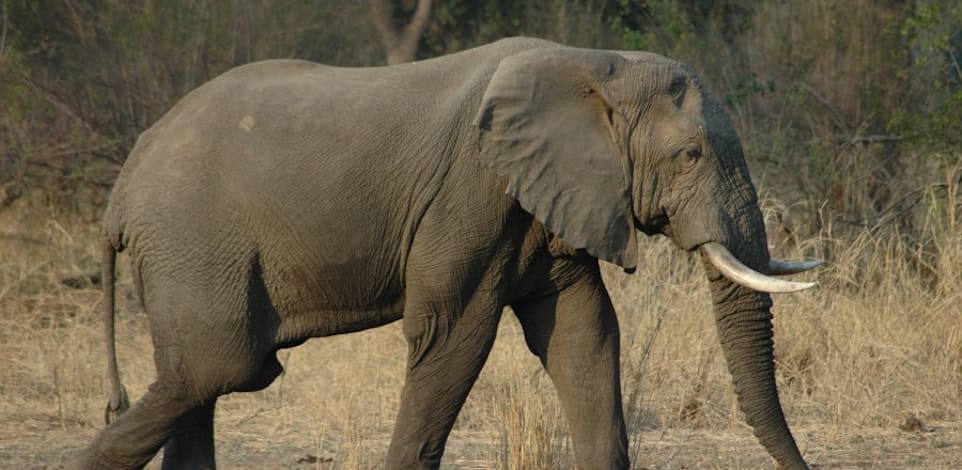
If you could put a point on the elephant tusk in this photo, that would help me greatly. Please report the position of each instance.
(735, 271)
(778, 267)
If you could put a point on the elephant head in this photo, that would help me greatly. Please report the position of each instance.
(597, 145)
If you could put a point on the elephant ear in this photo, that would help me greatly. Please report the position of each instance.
(548, 126)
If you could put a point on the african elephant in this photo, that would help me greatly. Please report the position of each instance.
(286, 200)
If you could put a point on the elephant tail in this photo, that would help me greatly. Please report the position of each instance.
(118, 394)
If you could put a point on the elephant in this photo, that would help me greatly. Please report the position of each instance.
(286, 200)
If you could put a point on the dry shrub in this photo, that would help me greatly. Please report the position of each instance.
(531, 431)
(50, 333)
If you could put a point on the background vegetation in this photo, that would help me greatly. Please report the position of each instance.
(829, 96)
(851, 115)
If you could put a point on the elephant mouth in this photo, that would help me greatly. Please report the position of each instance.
(731, 267)
(654, 226)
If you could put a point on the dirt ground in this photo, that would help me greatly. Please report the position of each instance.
(257, 443)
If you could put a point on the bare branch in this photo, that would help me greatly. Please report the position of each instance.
(382, 10)
(955, 64)
(400, 44)
(66, 152)
(874, 139)
(840, 120)
(3, 35)
(419, 22)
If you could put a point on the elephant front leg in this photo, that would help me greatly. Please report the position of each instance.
(575, 334)
(448, 345)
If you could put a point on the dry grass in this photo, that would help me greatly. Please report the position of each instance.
(869, 363)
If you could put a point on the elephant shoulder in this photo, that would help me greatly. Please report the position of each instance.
(516, 44)
(270, 69)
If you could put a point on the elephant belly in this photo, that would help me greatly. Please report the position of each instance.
(316, 295)
(296, 327)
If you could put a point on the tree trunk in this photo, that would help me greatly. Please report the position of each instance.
(400, 41)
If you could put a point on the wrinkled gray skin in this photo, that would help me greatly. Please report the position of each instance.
(287, 200)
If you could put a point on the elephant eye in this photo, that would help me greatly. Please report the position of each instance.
(687, 157)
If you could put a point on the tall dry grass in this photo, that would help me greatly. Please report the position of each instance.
(875, 348)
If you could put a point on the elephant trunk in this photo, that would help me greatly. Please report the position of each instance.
(744, 322)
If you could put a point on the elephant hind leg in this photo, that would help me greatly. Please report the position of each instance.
(177, 412)
(212, 324)
(133, 439)
(191, 444)
(270, 369)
